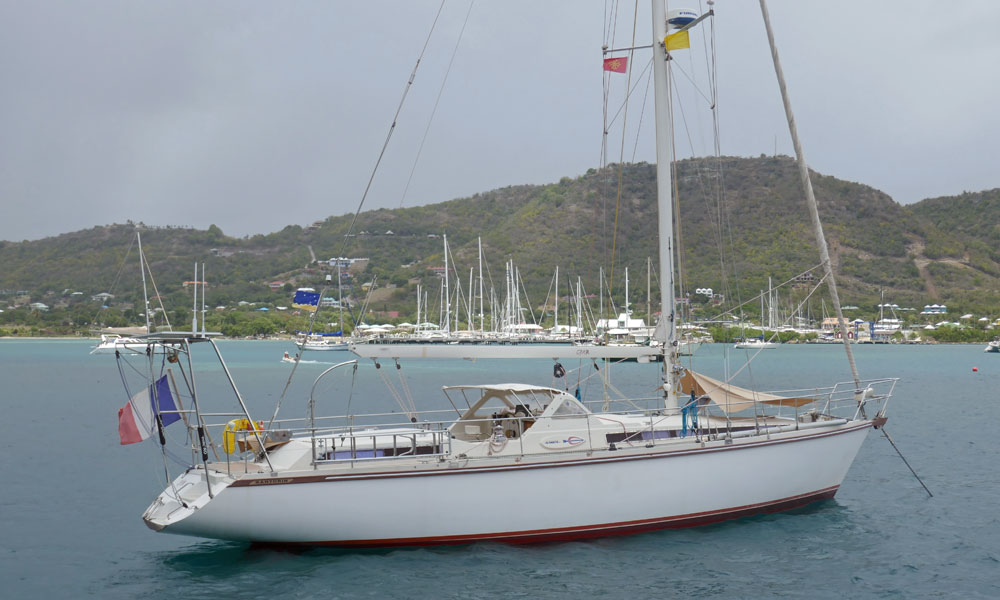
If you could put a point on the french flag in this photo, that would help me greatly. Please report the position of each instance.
(137, 419)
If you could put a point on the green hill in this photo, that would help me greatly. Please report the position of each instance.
(742, 221)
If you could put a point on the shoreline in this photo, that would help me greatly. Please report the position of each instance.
(289, 339)
(97, 339)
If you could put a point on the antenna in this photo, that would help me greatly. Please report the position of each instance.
(194, 309)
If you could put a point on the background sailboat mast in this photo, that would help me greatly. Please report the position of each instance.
(142, 268)
(194, 309)
(447, 294)
(555, 325)
(471, 304)
(340, 300)
(579, 305)
(482, 298)
(649, 293)
(627, 311)
(664, 156)
(204, 292)
(600, 285)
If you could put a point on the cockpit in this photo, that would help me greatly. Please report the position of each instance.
(513, 408)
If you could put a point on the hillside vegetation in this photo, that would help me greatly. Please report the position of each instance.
(941, 250)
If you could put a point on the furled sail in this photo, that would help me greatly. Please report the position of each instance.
(730, 398)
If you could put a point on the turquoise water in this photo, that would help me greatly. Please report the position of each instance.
(71, 497)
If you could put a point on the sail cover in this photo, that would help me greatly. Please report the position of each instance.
(732, 399)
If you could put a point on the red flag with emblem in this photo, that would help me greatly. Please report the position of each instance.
(616, 65)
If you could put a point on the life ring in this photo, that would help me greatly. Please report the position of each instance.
(229, 435)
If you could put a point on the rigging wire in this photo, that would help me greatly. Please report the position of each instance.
(114, 282)
(631, 90)
(621, 158)
(724, 228)
(754, 299)
(166, 318)
(392, 128)
(601, 200)
(807, 187)
(642, 111)
(411, 413)
(436, 101)
(364, 196)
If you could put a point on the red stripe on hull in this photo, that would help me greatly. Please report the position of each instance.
(589, 531)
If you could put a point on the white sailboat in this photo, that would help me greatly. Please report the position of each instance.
(318, 343)
(759, 343)
(755, 344)
(520, 463)
(886, 327)
(116, 342)
(322, 342)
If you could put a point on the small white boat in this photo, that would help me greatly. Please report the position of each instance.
(755, 344)
(111, 343)
(993, 346)
(319, 343)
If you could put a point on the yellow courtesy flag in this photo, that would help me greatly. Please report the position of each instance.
(677, 41)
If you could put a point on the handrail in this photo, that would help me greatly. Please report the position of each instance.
(389, 435)
(312, 402)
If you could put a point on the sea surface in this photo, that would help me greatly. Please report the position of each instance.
(71, 497)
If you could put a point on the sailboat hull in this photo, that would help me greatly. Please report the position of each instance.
(605, 493)
(134, 347)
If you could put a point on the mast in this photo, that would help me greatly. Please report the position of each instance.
(649, 293)
(194, 309)
(600, 282)
(664, 155)
(770, 304)
(555, 326)
(494, 326)
(517, 295)
(762, 323)
(627, 312)
(482, 298)
(340, 300)
(507, 310)
(447, 295)
(142, 268)
(204, 291)
(881, 303)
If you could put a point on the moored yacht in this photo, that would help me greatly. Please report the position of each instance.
(510, 462)
(277, 484)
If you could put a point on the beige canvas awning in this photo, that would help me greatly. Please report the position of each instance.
(732, 399)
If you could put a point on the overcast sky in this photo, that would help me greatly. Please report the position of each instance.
(255, 114)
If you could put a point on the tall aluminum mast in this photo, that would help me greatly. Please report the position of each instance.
(664, 156)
